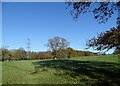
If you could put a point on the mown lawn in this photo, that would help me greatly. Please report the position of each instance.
(97, 70)
(0, 73)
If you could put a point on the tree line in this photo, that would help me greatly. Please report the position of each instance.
(21, 54)
(58, 48)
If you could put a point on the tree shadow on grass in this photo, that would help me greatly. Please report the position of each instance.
(98, 73)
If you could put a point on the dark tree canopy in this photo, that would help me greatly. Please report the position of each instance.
(102, 10)
(106, 40)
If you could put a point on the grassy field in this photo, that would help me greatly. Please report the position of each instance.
(0, 73)
(97, 70)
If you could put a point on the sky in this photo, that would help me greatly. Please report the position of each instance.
(41, 21)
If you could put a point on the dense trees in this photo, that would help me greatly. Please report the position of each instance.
(6, 55)
(17, 54)
(20, 54)
(71, 52)
(41, 55)
(58, 46)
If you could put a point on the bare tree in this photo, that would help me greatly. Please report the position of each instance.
(57, 45)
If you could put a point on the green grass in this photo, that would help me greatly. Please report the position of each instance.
(0, 73)
(105, 58)
(102, 70)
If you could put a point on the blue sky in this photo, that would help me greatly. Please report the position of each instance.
(41, 21)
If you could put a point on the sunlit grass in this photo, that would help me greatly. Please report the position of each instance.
(0, 73)
(104, 58)
(97, 70)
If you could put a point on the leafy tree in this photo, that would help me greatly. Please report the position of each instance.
(71, 52)
(6, 55)
(102, 12)
(57, 45)
(106, 40)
